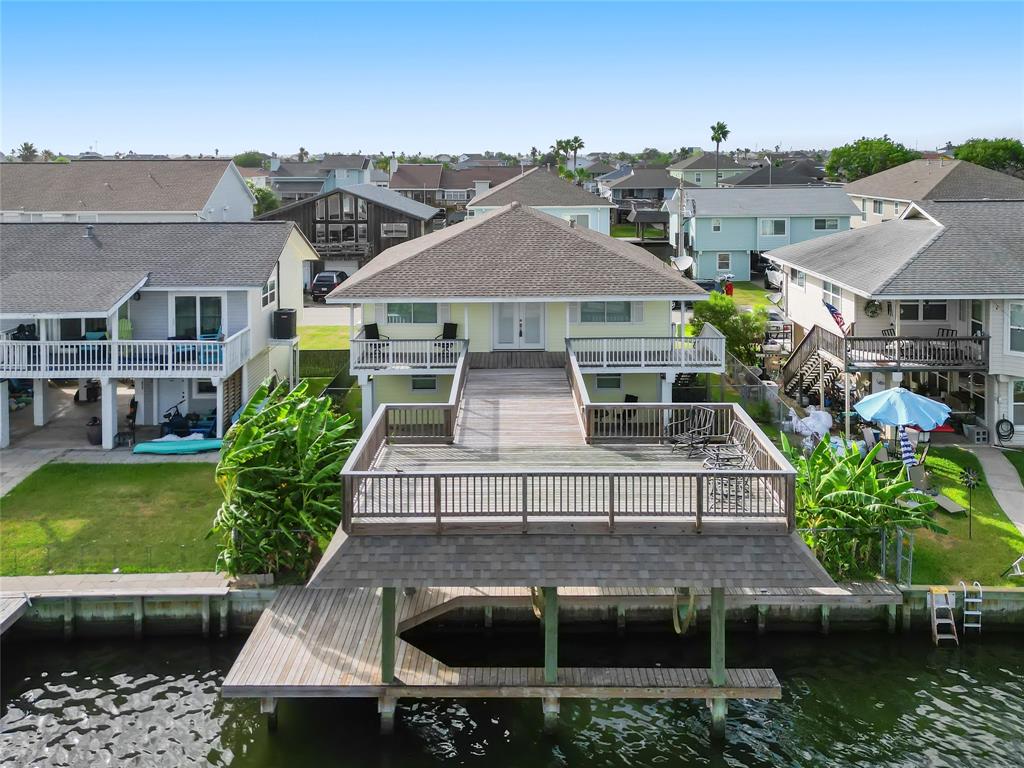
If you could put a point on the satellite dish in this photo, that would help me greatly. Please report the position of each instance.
(682, 263)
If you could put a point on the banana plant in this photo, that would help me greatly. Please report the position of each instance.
(279, 475)
(844, 501)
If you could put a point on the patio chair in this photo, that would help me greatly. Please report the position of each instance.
(371, 331)
(449, 332)
(692, 432)
(945, 333)
(730, 491)
(627, 416)
(869, 437)
(889, 333)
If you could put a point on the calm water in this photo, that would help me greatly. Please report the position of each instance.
(864, 700)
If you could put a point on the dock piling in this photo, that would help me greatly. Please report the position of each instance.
(386, 705)
(719, 707)
(762, 619)
(550, 635)
(138, 614)
(387, 635)
(268, 707)
(551, 706)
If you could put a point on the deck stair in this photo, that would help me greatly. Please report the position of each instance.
(943, 622)
(973, 597)
(818, 354)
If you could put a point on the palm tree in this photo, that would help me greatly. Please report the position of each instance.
(27, 152)
(303, 154)
(533, 154)
(575, 144)
(558, 149)
(719, 133)
(48, 156)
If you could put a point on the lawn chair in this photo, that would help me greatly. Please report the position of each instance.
(1015, 570)
(444, 346)
(371, 332)
(730, 491)
(946, 333)
(869, 437)
(449, 332)
(692, 432)
(627, 417)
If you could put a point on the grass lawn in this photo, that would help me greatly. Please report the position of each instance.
(946, 559)
(748, 294)
(323, 336)
(1017, 459)
(629, 230)
(92, 518)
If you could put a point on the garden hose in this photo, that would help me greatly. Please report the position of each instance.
(682, 627)
(537, 603)
(1004, 430)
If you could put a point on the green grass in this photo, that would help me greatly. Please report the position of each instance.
(748, 294)
(1017, 459)
(323, 336)
(629, 230)
(93, 518)
(946, 559)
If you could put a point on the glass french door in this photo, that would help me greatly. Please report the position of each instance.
(198, 316)
(518, 325)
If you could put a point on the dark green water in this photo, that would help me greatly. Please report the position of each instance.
(854, 700)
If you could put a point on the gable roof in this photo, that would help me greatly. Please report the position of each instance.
(54, 269)
(957, 248)
(644, 178)
(767, 201)
(378, 195)
(939, 180)
(466, 178)
(514, 252)
(794, 172)
(706, 162)
(417, 176)
(539, 188)
(296, 169)
(110, 185)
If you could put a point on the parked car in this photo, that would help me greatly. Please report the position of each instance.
(324, 283)
(773, 275)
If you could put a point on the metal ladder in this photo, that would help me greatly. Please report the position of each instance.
(973, 596)
(943, 623)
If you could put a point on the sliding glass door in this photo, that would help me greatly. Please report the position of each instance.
(198, 316)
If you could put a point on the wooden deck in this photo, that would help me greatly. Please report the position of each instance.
(11, 609)
(527, 358)
(327, 643)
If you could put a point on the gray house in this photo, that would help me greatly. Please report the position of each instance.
(163, 313)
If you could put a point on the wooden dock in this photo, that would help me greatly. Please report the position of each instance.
(11, 609)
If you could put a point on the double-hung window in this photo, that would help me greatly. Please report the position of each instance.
(863, 209)
(826, 224)
(269, 293)
(412, 312)
(832, 293)
(724, 262)
(605, 312)
(773, 227)
(878, 206)
(798, 278)
(896, 208)
(914, 311)
(1016, 318)
(697, 177)
(716, 225)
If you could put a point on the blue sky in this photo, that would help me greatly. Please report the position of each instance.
(432, 77)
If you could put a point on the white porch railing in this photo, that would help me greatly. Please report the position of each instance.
(688, 353)
(158, 359)
(375, 355)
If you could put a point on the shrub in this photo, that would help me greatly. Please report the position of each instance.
(743, 331)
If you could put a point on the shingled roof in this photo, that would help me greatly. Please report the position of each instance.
(767, 201)
(956, 248)
(571, 560)
(939, 180)
(648, 178)
(57, 269)
(379, 195)
(706, 162)
(537, 187)
(515, 252)
(417, 176)
(110, 185)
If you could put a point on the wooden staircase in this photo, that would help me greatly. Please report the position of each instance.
(819, 353)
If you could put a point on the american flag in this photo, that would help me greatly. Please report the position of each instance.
(836, 315)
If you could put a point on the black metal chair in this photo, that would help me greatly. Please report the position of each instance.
(946, 333)
(371, 332)
(450, 332)
(889, 332)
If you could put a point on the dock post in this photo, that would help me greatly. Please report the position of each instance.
(138, 616)
(762, 619)
(69, 618)
(890, 618)
(551, 635)
(620, 619)
(387, 635)
(225, 605)
(268, 707)
(206, 615)
(551, 708)
(488, 617)
(386, 706)
(718, 706)
(905, 611)
(825, 611)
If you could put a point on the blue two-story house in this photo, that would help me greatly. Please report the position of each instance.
(724, 230)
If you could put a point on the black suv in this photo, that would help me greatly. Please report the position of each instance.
(324, 283)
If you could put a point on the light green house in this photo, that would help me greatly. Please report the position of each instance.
(699, 170)
(517, 288)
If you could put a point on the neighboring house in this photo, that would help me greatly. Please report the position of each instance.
(641, 188)
(350, 226)
(595, 170)
(790, 173)
(258, 177)
(124, 190)
(886, 195)
(379, 178)
(433, 184)
(477, 160)
(183, 310)
(296, 181)
(517, 280)
(699, 170)
(547, 192)
(602, 182)
(724, 230)
(935, 298)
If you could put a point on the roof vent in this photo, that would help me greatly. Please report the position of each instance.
(89, 231)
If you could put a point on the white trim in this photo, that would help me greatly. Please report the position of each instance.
(503, 299)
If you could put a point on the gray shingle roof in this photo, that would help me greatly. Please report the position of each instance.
(792, 173)
(379, 195)
(539, 188)
(417, 176)
(572, 560)
(706, 162)
(977, 249)
(517, 252)
(647, 178)
(52, 268)
(769, 201)
(110, 185)
(935, 180)
(468, 177)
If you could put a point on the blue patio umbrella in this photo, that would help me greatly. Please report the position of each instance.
(900, 407)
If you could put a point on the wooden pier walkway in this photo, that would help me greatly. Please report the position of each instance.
(11, 609)
(327, 643)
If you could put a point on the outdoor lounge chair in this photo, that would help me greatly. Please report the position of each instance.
(692, 432)
(449, 332)
(946, 333)
(371, 332)
(730, 491)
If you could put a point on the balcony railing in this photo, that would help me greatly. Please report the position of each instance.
(688, 353)
(427, 354)
(158, 359)
(894, 353)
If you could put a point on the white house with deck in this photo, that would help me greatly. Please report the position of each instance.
(181, 313)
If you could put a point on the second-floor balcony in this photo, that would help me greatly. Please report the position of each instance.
(908, 353)
(368, 355)
(124, 359)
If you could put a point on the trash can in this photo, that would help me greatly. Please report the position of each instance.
(94, 431)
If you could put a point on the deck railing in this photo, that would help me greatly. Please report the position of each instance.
(688, 353)
(426, 354)
(160, 359)
(917, 352)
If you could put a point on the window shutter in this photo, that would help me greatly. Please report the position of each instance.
(444, 313)
(636, 312)
(574, 312)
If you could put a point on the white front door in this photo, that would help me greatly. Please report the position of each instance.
(518, 325)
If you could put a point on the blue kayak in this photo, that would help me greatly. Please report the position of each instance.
(177, 447)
